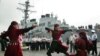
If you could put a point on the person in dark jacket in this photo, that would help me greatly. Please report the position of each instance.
(3, 41)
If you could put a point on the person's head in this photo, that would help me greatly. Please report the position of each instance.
(56, 26)
(82, 35)
(75, 35)
(93, 31)
(13, 24)
(3, 32)
(72, 33)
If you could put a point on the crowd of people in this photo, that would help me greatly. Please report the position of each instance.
(91, 41)
(81, 43)
(38, 43)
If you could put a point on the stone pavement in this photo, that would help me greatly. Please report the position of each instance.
(35, 53)
(43, 53)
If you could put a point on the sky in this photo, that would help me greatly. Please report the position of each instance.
(75, 12)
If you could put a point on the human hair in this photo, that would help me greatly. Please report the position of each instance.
(12, 26)
(56, 25)
(84, 37)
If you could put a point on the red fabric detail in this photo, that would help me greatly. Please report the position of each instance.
(82, 47)
(14, 50)
(57, 34)
(63, 46)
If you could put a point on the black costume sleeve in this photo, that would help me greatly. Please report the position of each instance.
(66, 31)
(26, 29)
(48, 29)
(22, 31)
